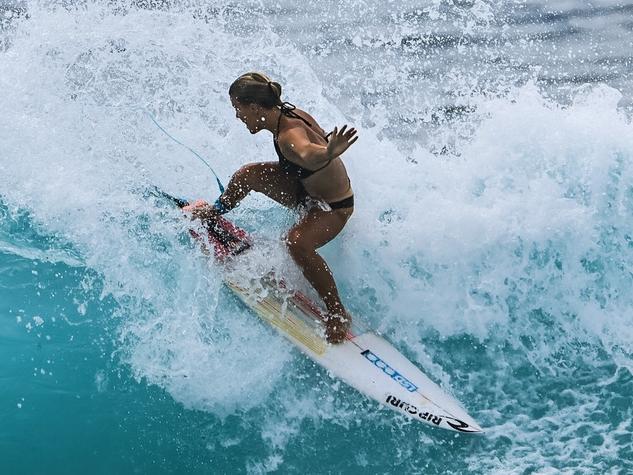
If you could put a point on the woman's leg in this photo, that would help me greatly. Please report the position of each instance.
(266, 178)
(315, 230)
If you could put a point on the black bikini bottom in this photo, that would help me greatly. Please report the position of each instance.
(345, 203)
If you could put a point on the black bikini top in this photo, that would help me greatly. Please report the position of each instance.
(286, 165)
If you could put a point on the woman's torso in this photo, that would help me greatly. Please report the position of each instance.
(330, 182)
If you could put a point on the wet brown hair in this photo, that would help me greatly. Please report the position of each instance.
(256, 88)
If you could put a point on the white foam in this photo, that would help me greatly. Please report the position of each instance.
(523, 235)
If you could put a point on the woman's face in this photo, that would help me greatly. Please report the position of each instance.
(250, 114)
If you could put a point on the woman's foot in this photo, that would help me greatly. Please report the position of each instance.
(336, 327)
(203, 211)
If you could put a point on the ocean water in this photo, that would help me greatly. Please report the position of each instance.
(492, 240)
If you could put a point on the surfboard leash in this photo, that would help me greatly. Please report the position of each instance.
(220, 185)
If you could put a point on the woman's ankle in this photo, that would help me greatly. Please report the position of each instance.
(339, 313)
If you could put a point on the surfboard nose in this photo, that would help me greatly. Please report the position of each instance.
(472, 427)
(463, 423)
(459, 420)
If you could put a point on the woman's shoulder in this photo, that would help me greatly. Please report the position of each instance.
(311, 120)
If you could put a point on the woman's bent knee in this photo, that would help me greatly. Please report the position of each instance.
(256, 176)
(247, 172)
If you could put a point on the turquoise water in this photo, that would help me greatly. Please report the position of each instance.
(492, 242)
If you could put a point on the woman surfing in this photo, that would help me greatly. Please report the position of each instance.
(309, 173)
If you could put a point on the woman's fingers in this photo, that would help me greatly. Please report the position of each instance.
(344, 133)
(351, 137)
(341, 140)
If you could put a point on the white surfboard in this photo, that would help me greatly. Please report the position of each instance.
(365, 361)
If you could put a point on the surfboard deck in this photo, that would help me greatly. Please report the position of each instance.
(364, 361)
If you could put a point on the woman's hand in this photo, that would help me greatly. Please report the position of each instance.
(339, 141)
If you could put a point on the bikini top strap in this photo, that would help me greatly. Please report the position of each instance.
(288, 110)
(278, 123)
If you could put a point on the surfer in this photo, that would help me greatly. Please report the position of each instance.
(309, 174)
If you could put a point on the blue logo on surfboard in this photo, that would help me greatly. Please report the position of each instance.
(389, 371)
